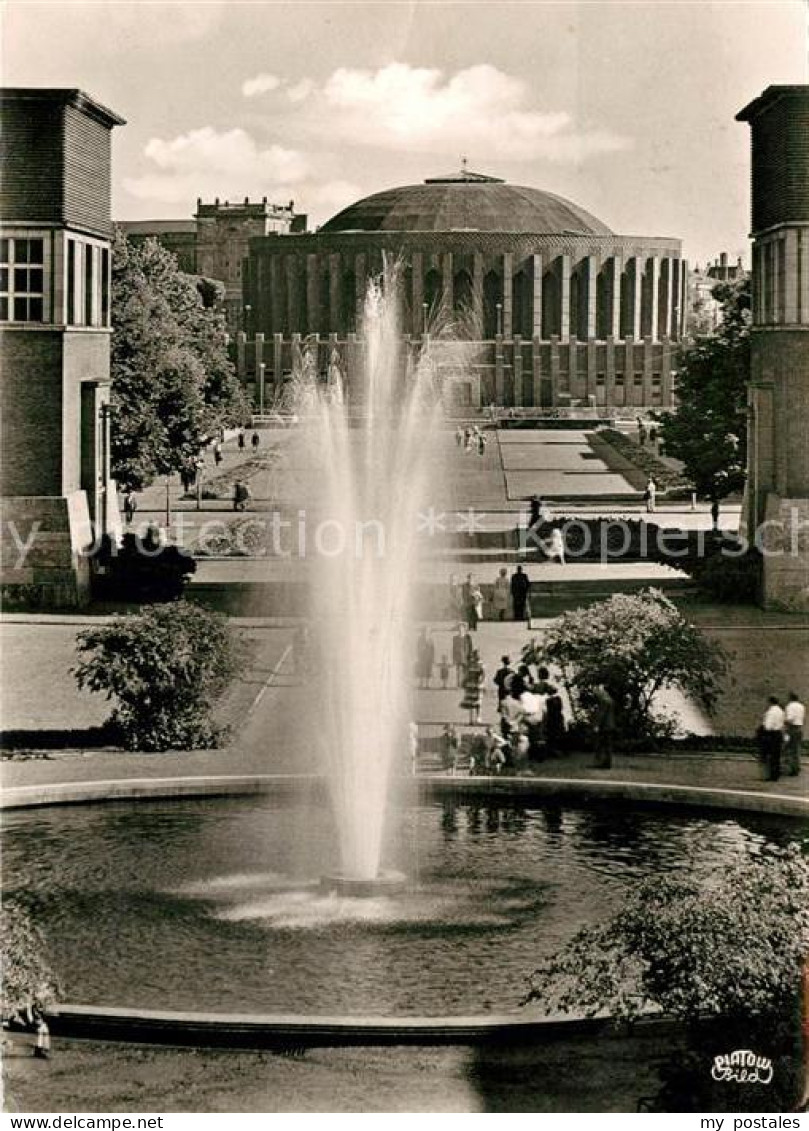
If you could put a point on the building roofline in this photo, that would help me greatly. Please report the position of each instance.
(66, 96)
(769, 97)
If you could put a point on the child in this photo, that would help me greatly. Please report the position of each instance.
(443, 671)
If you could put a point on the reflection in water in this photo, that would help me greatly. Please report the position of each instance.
(215, 904)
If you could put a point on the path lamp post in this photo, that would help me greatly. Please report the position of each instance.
(424, 314)
(106, 459)
(261, 375)
(499, 319)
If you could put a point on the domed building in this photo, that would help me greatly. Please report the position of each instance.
(566, 312)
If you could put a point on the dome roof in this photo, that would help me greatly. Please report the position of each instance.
(466, 201)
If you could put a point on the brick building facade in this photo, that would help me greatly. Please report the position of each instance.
(215, 242)
(562, 310)
(54, 337)
(778, 471)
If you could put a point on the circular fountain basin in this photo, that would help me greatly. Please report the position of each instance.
(354, 887)
(218, 905)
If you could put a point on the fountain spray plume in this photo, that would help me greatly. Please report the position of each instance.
(368, 440)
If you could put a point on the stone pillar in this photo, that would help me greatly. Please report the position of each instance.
(676, 291)
(591, 369)
(683, 297)
(448, 296)
(508, 294)
(665, 374)
(648, 358)
(360, 277)
(258, 362)
(634, 281)
(555, 369)
(477, 293)
(417, 295)
(629, 371)
(564, 297)
(499, 377)
(654, 297)
(609, 371)
(291, 276)
(589, 277)
(335, 293)
(536, 372)
(277, 307)
(517, 371)
(536, 311)
(664, 325)
(277, 362)
(614, 296)
(312, 294)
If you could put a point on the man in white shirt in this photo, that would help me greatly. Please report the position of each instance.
(772, 739)
(794, 718)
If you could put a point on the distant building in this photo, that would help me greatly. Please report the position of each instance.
(54, 338)
(215, 242)
(564, 311)
(704, 309)
(778, 459)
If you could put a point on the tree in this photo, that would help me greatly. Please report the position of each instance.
(708, 429)
(165, 667)
(729, 946)
(29, 983)
(172, 381)
(635, 645)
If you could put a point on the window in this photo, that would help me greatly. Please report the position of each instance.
(88, 284)
(105, 286)
(619, 380)
(22, 280)
(70, 282)
(638, 380)
(601, 378)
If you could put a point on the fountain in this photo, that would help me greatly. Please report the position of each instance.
(368, 453)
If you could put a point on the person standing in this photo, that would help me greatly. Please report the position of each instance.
(715, 515)
(473, 688)
(241, 495)
(772, 739)
(130, 506)
(425, 658)
(520, 588)
(794, 719)
(650, 495)
(455, 597)
(240, 439)
(217, 453)
(500, 594)
(255, 440)
(555, 546)
(443, 672)
(481, 444)
(554, 722)
(604, 722)
(475, 606)
(449, 748)
(461, 651)
(458, 437)
(502, 678)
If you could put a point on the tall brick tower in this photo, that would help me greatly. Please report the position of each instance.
(778, 461)
(54, 339)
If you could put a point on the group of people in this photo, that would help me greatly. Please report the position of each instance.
(467, 599)
(780, 737)
(531, 726)
(471, 439)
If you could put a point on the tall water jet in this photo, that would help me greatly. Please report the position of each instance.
(368, 448)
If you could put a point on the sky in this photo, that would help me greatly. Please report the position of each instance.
(625, 108)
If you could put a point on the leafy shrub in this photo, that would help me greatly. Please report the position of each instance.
(29, 983)
(669, 481)
(729, 947)
(724, 574)
(164, 668)
(635, 645)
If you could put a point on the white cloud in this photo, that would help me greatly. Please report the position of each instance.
(261, 84)
(209, 163)
(480, 110)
